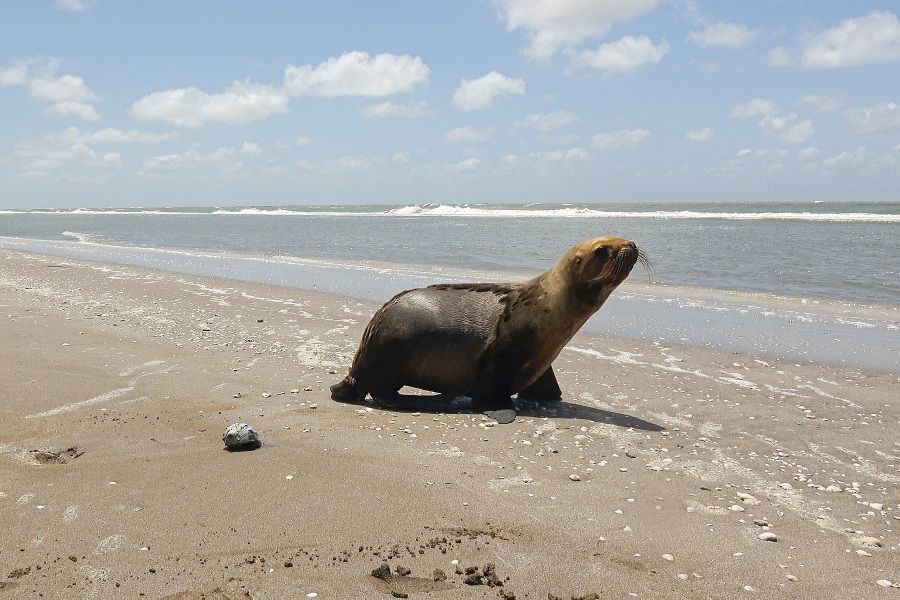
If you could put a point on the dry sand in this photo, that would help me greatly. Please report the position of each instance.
(653, 479)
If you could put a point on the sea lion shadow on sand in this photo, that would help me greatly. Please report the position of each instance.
(448, 404)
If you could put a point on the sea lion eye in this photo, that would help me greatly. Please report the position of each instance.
(601, 253)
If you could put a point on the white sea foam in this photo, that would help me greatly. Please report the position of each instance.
(450, 210)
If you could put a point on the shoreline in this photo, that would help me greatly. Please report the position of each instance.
(809, 330)
(684, 456)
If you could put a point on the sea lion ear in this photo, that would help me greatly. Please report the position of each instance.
(577, 259)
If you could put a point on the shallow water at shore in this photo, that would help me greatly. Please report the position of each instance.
(760, 325)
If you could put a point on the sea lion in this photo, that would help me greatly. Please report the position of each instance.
(486, 341)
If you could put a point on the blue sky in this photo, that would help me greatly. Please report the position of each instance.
(163, 103)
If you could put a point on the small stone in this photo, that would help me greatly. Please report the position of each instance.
(575, 477)
(785, 486)
(834, 488)
(240, 436)
(862, 552)
(383, 572)
(876, 506)
(682, 576)
(748, 588)
(792, 578)
(439, 575)
(668, 557)
(288, 564)
(760, 522)
(747, 499)
(884, 582)
(399, 594)
(236, 395)
(867, 540)
(266, 395)
(402, 571)
(736, 508)
(768, 536)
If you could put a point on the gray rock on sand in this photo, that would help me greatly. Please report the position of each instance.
(240, 436)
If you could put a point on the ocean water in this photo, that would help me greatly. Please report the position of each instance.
(812, 281)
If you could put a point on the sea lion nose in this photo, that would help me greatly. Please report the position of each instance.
(631, 245)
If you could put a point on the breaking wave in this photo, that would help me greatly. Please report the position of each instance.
(483, 211)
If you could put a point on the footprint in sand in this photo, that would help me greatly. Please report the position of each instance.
(71, 514)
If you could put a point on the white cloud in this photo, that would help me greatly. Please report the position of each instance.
(570, 155)
(878, 118)
(744, 151)
(358, 74)
(75, 109)
(479, 94)
(722, 35)
(469, 165)
(303, 140)
(623, 56)
(400, 157)
(251, 149)
(222, 161)
(757, 107)
(847, 159)
(787, 128)
(624, 138)
(411, 110)
(872, 38)
(109, 135)
(242, 102)
(699, 135)
(808, 153)
(354, 163)
(40, 159)
(779, 57)
(74, 5)
(14, 75)
(69, 94)
(822, 103)
(469, 134)
(548, 121)
(555, 24)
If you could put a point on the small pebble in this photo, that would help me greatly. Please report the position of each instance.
(668, 557)
(884, 582)
(833, 488)
(768, 536)
(575, 477)
(792, 578)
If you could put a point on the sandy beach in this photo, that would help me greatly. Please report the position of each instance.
(666, 472)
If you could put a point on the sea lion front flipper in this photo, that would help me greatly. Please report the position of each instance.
(544, 389)
(347, 391)
(502, 416)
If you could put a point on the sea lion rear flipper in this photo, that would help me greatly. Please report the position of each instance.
(544, 389)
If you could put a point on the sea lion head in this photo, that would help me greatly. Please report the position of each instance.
(594, 268)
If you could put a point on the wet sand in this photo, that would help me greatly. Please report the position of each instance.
(654, 478)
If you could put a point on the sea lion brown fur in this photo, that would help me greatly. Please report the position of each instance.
(486, 341)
